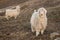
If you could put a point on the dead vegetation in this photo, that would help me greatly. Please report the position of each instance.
(19, 29)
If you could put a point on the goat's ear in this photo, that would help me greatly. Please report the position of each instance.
(35, 11)
(45, 11)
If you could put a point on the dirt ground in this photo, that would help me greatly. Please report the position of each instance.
(20, 28)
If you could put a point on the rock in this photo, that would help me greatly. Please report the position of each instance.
(57, 38)
(52, 35)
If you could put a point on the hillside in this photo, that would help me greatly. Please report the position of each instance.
(20, 28)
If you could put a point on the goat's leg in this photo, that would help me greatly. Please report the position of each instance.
(32, 28)
(42, 31)
(7, 17)
(37, 33)
(15, 17)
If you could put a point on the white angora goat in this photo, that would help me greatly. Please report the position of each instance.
(12, 12)
(39, 21)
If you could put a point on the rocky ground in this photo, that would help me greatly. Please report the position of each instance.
(20, 29)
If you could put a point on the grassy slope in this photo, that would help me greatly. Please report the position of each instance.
(19, 29)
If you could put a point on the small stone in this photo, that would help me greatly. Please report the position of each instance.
(52, 35)
(57, 39)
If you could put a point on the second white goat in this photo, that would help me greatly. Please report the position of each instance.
(12, 12)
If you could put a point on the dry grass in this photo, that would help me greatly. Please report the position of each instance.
(19, 29)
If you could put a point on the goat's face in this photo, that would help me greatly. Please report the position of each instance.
(18, 8)
(42, 12)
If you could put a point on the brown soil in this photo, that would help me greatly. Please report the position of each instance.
(20, 29)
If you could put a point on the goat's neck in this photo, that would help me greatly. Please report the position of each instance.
(18, 9)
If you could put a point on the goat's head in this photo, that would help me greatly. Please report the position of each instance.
(18, 6)
(42, 11)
